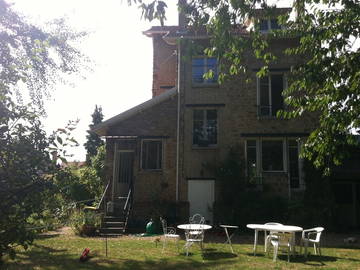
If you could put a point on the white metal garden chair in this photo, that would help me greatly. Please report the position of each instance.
(197, 219)
(194, 237)
(311, 236)
(169, 233)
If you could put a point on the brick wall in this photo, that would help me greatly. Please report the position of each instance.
(164, 66)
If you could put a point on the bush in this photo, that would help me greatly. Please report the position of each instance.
(85, 222)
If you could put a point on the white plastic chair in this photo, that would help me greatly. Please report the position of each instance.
(278, 240)
(311, 236)
(169, 233)
(266, 240)
(194, 236)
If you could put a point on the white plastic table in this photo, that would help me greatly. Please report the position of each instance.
(226, 227)
(274, 228)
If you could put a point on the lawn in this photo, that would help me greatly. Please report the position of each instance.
(59, 251)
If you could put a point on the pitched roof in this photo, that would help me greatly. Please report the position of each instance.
(101, 128)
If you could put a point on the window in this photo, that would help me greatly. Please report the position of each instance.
(251, 162)
(151, 155)
(270, 99)
(266, 25)
(294, 164)
(202, 65)
(272, 155)
(204, 127)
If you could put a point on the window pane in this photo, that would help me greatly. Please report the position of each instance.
(204, 127)
(274, 24)
(151, 155)
(251, 158)
(294, 164)
(277, 87)
(263, 25)
(202, 65)
(198, 70)
(212, 65)
(264, 96)
(272, 155)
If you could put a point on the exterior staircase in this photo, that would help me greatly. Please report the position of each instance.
(114, 223)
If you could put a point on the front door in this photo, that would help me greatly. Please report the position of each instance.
(201, 198)
(123, 173)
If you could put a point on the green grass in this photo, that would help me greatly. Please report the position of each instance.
(62, 252)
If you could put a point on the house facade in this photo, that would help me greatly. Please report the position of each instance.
(161, 150)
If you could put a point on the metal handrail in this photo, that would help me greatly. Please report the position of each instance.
(103, 196)
(127, 200)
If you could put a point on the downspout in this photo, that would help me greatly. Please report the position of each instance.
(178, 124)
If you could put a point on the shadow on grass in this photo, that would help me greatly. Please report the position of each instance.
(218, 255)
(47, 236)
(41, 257)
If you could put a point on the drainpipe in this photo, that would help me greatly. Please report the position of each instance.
(178, 124)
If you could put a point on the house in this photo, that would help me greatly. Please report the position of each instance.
(160, 149)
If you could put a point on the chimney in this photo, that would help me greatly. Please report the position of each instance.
(182, 19)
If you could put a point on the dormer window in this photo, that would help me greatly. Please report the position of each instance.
(265, 25)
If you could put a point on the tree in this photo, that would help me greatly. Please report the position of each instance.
(32, 58)
(93, 140)
(325, 82)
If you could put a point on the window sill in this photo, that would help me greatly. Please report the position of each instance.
(209, 147)
(205, 85)
(150, 171)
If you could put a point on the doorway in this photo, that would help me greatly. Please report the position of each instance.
(201, 196)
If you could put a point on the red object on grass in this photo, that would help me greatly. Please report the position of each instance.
(85, 255)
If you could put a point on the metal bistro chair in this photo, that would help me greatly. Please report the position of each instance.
(278, 240)
(194, 236)
(266, 239)
(169, 233)
(311, 236)
(197, 219)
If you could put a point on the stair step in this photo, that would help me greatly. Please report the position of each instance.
(109, 224)
(113, 219)
(112, 230)
(110, 234)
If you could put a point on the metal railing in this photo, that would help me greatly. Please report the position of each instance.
(127, 207)
(103, 197)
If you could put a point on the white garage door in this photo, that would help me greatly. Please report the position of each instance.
(201, 197)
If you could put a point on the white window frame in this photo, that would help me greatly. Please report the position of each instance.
(162, 154)
(205, 70)
(204, 126)
(285, 85)
(285, 141)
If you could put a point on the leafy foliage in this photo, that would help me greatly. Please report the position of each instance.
(325, 80)
(34, 59)
(93, 140)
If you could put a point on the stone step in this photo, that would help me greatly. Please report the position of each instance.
(112, 230)
(108, 224)
(113, 219)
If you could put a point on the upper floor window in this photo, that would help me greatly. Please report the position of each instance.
(204, 127)
(202, 65)
(266, 25)
(270, 99)
(151, 155)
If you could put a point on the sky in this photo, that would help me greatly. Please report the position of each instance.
(121, 55)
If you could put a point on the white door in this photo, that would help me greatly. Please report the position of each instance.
(201, 196)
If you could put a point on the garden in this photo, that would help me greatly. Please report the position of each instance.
(61, 249)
